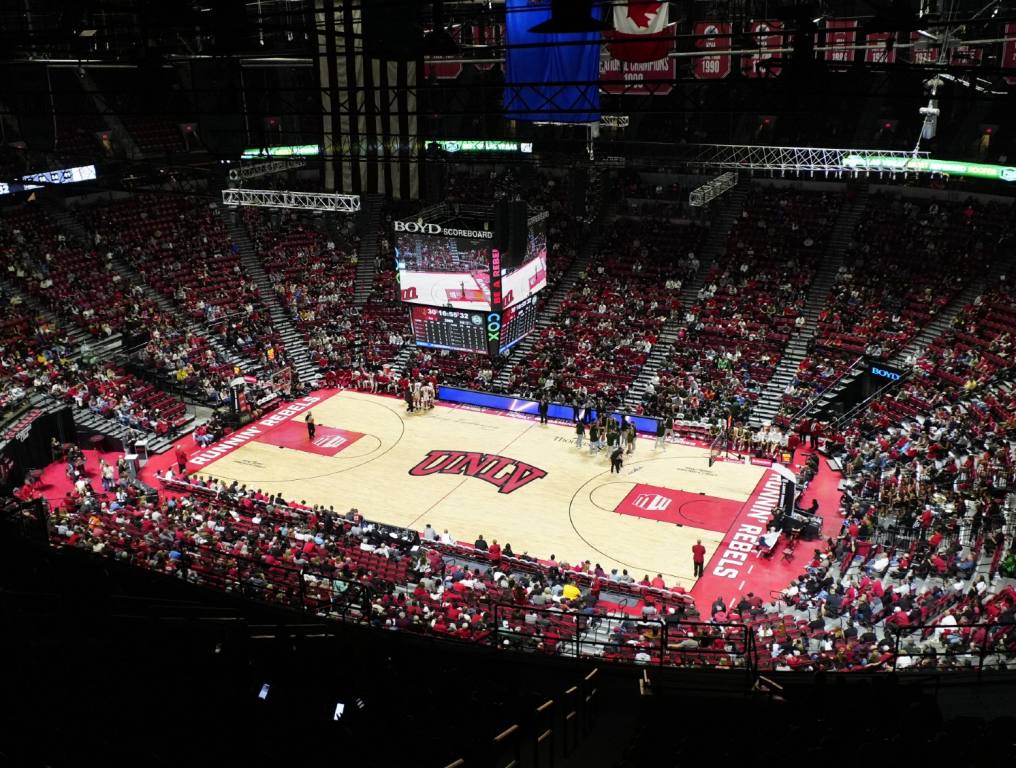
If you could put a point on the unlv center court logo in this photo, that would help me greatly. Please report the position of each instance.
(651, 502)
(507, 474)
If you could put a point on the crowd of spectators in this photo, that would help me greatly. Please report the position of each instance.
(181, 248)
(908, 259)
(69, 277)
(610, 319)
(926, 516)
(732, 337)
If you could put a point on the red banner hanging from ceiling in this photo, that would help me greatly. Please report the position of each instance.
(441, 70)
(882, 53)
(922, 53)
(712, 35)
(637, 78)
(966, 56)
(1009, 52)
(840, 36)
(767, 35)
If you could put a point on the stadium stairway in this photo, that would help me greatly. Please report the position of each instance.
(771, 396)
(296, 348)
(719, 230)
(365, 265)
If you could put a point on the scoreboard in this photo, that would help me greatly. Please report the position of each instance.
(517, 322)
(468, 288)
(456, 329)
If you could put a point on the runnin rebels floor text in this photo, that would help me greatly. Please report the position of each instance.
(510, 479)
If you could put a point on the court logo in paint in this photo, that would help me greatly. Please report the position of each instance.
(651, 502)
(507, 474)
(330, 441)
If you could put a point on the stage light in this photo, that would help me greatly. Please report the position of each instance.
(569, 17)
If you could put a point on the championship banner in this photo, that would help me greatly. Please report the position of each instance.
(883, 54)
(966, 56)
(628, 78)
(922, 54)
(549, 77)
(766, 35)
(1009, 52)
(712, 35)
(840, 35)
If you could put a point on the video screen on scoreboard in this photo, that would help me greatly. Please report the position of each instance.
(531, 276)
(451, 272)
(517, 322)
(455, 329)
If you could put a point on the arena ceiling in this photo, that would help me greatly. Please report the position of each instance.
(234, 65)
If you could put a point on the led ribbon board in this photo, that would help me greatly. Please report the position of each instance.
(455, 145)
(294, 150)
(63, 176)
(927, 165)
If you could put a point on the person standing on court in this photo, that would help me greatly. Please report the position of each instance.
(580, 432)
(613, 438)
(407, 394)
(616, 459)
(311, 426)
(661, 432)
(543, 408)
(594, 437)
(632, 436)
(698, 556)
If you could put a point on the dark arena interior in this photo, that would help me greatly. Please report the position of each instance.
(507, 382)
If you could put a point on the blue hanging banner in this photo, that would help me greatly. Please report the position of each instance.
(539, 80)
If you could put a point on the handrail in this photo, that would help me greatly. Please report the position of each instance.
(815, 398)
(846, 417)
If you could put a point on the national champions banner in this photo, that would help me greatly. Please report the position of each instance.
(549, 77)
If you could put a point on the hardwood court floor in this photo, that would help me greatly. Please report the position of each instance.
(568, 512)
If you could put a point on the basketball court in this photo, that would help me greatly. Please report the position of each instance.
(481, 472)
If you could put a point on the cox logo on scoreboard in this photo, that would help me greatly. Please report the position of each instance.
(494, 326)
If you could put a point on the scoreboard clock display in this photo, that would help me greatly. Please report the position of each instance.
(455, 329)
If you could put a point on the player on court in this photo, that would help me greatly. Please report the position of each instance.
(632, 437)
(311, 426)
(427, 395)
(580, 432)
(417, 398)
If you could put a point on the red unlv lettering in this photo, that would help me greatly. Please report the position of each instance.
(507, 474)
